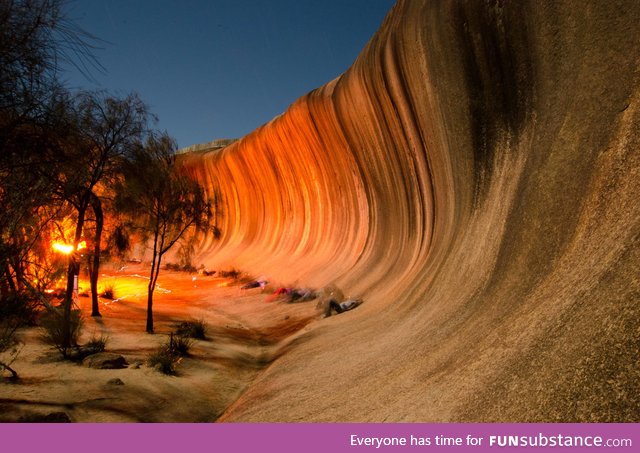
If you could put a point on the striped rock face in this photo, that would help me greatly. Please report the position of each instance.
(475, 178)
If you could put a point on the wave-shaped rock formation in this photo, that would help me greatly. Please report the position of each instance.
(475, 177)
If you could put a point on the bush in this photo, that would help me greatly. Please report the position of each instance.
(20, 307)
(172, 267)
(179, 345)
(167, 356)
(52, 323)
(192, 329)
(108, 292)
(7, 330)
(163, 360)
(8, 343)
(233, 273)
(95, 345)
(188, 267)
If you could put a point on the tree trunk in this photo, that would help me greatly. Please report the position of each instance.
(155, 271)
(150, 290)
(150, 310)
(152, 284)
(73, 270)
(7, 285)
(94, 268)
(18, 268)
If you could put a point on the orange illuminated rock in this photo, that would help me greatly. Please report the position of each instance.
(475, 178)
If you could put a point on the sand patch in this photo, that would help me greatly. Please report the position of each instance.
(245, 334)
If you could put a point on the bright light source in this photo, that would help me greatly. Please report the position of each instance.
(63, 248)
(68, 248)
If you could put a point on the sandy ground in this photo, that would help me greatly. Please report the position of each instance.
(246, 332)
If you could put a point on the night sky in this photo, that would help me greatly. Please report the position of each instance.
(221, 68)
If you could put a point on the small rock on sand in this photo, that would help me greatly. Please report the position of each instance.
(105, 361)
(115, 381)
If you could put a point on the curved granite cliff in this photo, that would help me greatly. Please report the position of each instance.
(475, 177)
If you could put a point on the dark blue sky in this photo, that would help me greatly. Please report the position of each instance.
(221, 68)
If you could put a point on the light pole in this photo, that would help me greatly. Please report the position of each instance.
(73, 268)
(68, 249)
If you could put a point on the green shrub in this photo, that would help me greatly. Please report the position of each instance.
(52, 323)
(193, 329)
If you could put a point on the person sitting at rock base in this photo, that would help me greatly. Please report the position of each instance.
(341, 307)
(255, 284)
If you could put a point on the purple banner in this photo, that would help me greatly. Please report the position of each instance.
(285, 438)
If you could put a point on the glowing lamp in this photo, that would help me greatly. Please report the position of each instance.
(62, 248)
(68, 248)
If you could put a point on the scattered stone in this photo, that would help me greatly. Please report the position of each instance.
(79, 353)
(105, 361)
(136, 364)
(115, 381)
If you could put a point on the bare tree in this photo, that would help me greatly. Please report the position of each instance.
(94, 257)
(103, 130)
(164, 204)
(35, 36)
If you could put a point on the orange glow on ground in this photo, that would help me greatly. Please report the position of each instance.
(244, 332)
